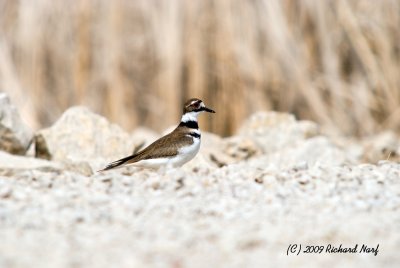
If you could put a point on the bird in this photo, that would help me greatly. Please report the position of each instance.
(174, 149)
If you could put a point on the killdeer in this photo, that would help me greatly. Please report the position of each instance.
(173, 149)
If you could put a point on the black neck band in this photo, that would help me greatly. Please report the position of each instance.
(195, 135)
(189, 124)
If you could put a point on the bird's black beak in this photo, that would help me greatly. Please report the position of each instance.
(208, 110)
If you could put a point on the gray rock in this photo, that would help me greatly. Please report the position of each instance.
(273, 131)
(15, 136)
(311, 152)
(232, 150)
(82, 136)
(264, 133)
(240, 148)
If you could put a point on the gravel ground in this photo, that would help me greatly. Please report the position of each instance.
(241, 215)
(244, 201)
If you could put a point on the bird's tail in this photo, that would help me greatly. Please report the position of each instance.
(118, 163)
(122, 161)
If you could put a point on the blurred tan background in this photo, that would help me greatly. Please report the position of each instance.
(334, 62)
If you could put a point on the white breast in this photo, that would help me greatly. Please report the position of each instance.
(187, 153)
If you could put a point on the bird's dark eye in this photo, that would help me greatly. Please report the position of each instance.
(195, 104)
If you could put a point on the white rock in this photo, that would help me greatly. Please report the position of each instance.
(15, 136)
(80, 135)
(8, 161)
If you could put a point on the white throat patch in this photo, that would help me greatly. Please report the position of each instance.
(191, 116)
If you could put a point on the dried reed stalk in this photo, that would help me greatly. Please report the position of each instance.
(335, 62)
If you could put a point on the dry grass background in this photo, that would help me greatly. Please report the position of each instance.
(335, 62)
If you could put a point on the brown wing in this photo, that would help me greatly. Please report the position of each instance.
(166, 146)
